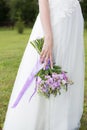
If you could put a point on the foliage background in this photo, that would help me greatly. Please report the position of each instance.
(27, 10)
(11, 10)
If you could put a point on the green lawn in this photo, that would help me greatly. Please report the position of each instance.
(12, 46)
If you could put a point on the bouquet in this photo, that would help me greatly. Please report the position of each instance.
(50, 80)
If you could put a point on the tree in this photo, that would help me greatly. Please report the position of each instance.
(4, 12)
(26, 9)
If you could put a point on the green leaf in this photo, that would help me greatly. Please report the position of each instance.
(57, 67)
(38, 44)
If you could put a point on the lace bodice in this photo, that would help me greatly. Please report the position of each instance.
(63, 7)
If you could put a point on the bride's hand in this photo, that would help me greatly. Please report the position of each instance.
(46, 53)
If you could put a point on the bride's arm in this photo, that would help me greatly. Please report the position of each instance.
(46, 23)
(45, 17)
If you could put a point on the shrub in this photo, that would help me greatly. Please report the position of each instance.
(20, 26)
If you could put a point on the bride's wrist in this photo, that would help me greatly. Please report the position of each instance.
(49, 37)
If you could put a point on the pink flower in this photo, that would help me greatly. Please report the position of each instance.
(47, 76)
(50, 80)
(64, 76)
(55, 76)
(60, 76)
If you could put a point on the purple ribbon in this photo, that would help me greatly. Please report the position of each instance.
(28, 83)
(35, 90)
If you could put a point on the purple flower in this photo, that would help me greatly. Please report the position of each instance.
(58, 83)
(60, 76)
(45, 88)
(64, 76)
(48, 65)
(47, 76)
(48, 61)
(54, 75)
(55, 84)
(50, 81)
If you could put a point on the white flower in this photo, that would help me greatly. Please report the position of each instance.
(63, 82)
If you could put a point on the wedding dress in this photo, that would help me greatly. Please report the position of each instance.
(64, 111)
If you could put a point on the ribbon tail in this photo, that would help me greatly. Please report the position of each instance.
(32, 94)
(26, 85)
(35, 90)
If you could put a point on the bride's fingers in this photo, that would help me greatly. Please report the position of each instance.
(51, 61)
(46, 61)
(43, 55)
(44, 66)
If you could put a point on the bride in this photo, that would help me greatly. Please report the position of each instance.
(61, 24)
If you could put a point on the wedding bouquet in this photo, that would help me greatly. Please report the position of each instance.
(50, 80)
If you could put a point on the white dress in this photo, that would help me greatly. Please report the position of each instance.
(65, 111)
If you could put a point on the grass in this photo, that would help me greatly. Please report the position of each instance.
(84, 117)
(12, 46)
